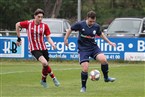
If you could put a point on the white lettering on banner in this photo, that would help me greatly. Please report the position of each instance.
(106, 47)
(74, 56)
(72, 46)
(57, 56)
(7, 46)
(48, 45)
(61, 47)
(141, 45)
(134, 56)
(112, 56)
(120, 47)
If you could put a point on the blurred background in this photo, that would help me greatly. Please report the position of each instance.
(123, 21)
(19, 73)
(13, 11)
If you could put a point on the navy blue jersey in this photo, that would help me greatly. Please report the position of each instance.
(86, 38)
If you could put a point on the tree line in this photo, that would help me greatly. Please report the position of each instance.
(13, 11)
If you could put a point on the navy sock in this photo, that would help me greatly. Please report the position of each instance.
(84, 77)
(104, 68)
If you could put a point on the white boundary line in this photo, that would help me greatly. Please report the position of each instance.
(37, 71)
(94, 67)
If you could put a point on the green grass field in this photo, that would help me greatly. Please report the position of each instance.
(21, 78)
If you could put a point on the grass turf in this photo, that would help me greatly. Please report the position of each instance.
(21, 78)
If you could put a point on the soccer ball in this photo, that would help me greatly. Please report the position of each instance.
(94, 75)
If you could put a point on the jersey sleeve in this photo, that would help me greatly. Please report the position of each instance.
(75, 27)
(24, 24)
(99, 31)
(47, 30)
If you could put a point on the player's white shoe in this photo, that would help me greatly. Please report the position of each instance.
(44, 84)
(109, 79)
(56, 82)
(83, 90)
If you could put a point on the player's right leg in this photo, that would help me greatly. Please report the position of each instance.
(84, 76)
(84, 61)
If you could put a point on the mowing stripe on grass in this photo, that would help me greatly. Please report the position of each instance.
(2, 73)
(36, 71)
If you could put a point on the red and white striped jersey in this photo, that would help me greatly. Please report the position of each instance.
(36, 34)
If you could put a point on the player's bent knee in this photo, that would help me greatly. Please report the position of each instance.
(85, 67)
(44, 63)
(103, 61)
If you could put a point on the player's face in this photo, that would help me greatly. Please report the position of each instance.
(91, 21)
(38, 18)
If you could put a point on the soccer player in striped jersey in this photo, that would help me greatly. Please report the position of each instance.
(36, 31)
(87, 47)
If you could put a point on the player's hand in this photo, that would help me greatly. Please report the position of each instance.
(18, 43)
(66, 42)
(113, 44)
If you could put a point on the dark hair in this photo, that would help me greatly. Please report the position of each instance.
(91, 14)
(37, 11)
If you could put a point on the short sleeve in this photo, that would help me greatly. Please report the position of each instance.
(76, 26)
(24, 24)
(47, 30)
(99, 32)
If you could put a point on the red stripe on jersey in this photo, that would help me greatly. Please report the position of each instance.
(37, 35)
(43, 29)
(42, 38)
(33, 37)
(29, 37)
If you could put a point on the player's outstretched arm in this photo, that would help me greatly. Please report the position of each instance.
(18, 34)
(51, 41)
(66, 37)
(107, 40)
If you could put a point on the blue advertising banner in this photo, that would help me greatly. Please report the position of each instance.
(8, 48)
(132, 49)
(63, 51)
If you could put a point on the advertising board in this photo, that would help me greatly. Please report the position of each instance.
(132, 49)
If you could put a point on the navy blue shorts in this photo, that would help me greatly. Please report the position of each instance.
(85, 55)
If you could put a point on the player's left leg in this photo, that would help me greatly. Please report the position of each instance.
(104, 67)
(39, 56)
(45, 69)
(49, 70)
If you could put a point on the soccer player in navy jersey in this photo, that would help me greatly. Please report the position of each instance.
(36, 31)
(87, 46)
